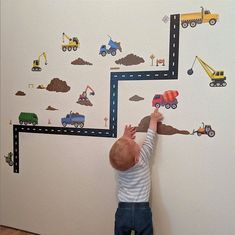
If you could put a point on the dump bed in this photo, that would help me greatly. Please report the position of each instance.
(191, 16)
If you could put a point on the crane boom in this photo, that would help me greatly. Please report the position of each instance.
(65, 35)
(209, 70)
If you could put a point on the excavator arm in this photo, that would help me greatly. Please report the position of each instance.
(89, 88)
(44, 56)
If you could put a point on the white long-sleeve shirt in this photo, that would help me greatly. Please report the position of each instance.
(135, 183)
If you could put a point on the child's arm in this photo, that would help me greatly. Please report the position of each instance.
(148, 145)
(155, 117)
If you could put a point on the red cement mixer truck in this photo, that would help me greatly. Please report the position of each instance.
(167, 99)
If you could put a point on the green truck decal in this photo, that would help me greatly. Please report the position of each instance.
(28, 118)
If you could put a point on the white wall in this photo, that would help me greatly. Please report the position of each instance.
(65, 184)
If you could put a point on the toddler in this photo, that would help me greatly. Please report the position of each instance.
(133, 175)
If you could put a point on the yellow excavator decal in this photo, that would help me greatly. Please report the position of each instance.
(36, 63)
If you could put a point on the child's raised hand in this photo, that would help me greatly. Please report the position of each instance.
(156, 116)
(129, 132)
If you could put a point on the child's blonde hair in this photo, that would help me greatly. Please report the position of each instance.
(122, 154)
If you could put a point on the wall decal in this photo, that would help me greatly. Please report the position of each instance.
(136, 98)
(20, 93)
(130, 59)
(217, 76)
(58, 85)
(113, 47)
(41, 86)
(115, 79)
(86, 102)
(113, 68)
(51, 108)
(152, 57)
(167, 99)
(192, 19)
(105, 121)
(83, 99)
(30, 85)
(8, 159)
(160, 62)
(80, 61)
(36, 63)
(204, 130)
(165, 19)
(75, 119)
(73, 43)
(28, 118)
(162, 129)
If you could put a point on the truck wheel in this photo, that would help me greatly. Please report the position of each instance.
(63, 48)
(76, 124)
(211, 133)
(11, 163)
(64, 124)
(75, 48)
(199, 134)
(81, 124)
(34, 123)
(113, 53)
(103, 53)
(21, 122)
(184, 24)
(212, 21)
(174, 106)
(193, 24)
(157, 105)
(69, 48)
(167, 106)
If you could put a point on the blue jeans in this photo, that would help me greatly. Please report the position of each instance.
(133, 216)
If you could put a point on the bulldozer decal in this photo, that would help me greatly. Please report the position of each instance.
(204, 130)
